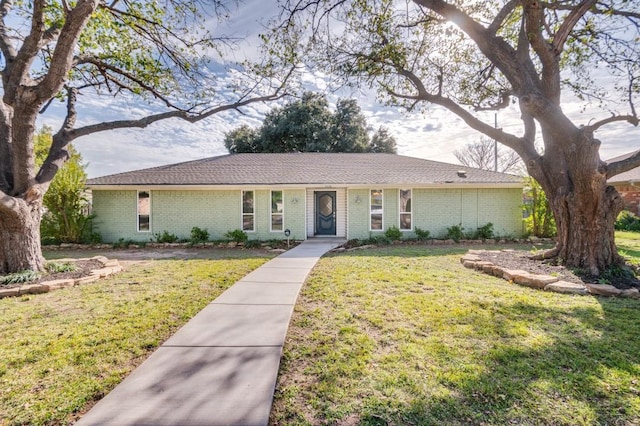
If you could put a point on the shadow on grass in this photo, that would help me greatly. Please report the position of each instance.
(428, 250)
(567, 380)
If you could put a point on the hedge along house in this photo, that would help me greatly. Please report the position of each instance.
(310, 194)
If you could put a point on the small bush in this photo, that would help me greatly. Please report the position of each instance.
(253, 244)
(627, 221)
(54, 267)
(199, 235)
(421, 234)
(486, 232)
(378, 240)
(455, 233)
(166, 237)
(393, 233)
(19, 277)
(237, 235)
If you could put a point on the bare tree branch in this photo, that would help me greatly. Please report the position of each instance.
(625, 165)
(569, 23)
(506, 10)
(62, 57)
(631, 119)
(6, 44)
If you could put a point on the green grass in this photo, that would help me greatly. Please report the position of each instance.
(629, 245)
(407, 336)
(64, 350)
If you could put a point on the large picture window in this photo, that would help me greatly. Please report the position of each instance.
(144, 211)
(248, 211)
(376, 209)
(277, 211)
(405, 210)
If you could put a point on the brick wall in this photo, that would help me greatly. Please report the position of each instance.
(631, 196)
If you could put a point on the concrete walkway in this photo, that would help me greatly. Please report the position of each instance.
(221, 367)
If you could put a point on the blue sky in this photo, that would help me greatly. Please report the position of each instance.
(434, 134)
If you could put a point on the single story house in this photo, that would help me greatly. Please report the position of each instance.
(628, 185)
(309, 194)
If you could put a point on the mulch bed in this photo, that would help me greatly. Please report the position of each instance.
(84, 268)
(516, 259)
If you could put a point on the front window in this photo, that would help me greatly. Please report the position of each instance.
(248, 211)
(405, 209)
(144, 211)
(277, 212)
(376, 209)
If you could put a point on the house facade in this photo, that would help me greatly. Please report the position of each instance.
(309, 194)
(628, 185)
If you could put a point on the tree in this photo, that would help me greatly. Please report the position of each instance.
(383, 142)
(308, 125)
(61, 49)
(482, 154)
(470, 57)
(66, 218)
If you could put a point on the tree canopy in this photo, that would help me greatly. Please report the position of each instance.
(308, 125)
(469, 57)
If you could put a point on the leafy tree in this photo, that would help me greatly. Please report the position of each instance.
(540, 221)
(66, 217)
(242, 139)
(383, 142)
(156, 51)
(482, 154)
(349, 128)
(468, 57)
(308, 125)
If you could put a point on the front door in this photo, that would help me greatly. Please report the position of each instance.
(326, 213)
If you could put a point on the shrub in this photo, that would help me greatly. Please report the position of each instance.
(19, 277)
(237, 235)
(199, 235)
(627, 221)
(421, 234)
(455, 233)
(166, 237)
(253, 244)
(486, 232)
(123, 244)
(393, 233)
(379, 240)
(54, 267)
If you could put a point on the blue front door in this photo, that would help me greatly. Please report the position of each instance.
(326, 213)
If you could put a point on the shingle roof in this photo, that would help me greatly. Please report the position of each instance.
(306, 168)
(631, 175)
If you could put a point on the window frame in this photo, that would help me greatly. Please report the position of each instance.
(138, 215)
(252, 214)
(272, 214)
(371, 213)
(409, 213)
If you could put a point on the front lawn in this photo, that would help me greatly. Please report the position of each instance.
(62, 351)
(629, 245)
(407, 336)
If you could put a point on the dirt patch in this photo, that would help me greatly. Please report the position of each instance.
(620, 277)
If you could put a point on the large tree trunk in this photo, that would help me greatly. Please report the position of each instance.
(584, 206)
(20, 237)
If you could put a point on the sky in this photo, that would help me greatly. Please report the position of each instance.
(434, 134)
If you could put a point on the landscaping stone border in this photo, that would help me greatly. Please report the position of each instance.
(109, 267)
(472, 260)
